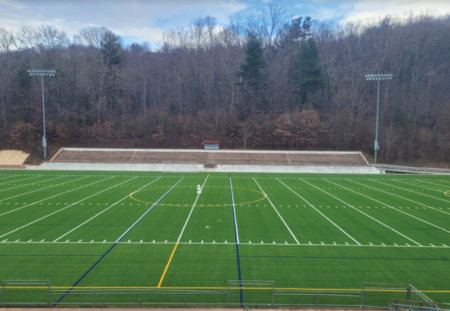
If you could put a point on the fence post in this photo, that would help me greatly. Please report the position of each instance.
(3, 293)
(139, 298)
(362, 296)
(317, 302)
(408, 293)
(228, 294)
(95, 297)
(49, 299)
(184, 298)
(273, 294)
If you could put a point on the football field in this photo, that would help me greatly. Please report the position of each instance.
(152, 230)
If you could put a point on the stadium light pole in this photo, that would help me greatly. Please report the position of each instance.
(42, 73)
(378, 77)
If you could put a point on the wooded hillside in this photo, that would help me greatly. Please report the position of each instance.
(268, 82)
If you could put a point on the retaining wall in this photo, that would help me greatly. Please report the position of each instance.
(218, 168)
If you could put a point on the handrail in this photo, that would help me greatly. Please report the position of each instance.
(413, 169)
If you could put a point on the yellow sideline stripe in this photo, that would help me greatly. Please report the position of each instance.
(167, 266)
(205, 287)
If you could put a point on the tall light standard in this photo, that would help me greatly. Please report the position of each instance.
(378, 77)
(42, 73)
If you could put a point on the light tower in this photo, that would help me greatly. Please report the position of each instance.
(42, 73)
(378, 77)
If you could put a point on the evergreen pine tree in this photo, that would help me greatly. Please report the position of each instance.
(252, 70)
(310, 72)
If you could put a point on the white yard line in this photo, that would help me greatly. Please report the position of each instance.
(267, 197)
(342, 230)
(15, 181)
(40, 189)
(192, 209)
(445, 181)
(33, 183)
(11, 176)
(114, 204)
(45, 198)
(135, 223)
(226, 243)
(415, 192)
(425, 187)
(236, 231)
(24, 226)
(436, 185)
(363, 212)
(420, 219)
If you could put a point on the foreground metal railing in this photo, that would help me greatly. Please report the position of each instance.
(134, 297)
(246, 294)
(414, 305)
(411, 169)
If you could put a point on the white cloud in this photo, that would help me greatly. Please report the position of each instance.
(365, 10)
(144, 20)
(373, 10)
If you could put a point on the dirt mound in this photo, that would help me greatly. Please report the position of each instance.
(12, 157)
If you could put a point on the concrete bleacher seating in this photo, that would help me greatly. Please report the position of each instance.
(12, 159)
(216, 157)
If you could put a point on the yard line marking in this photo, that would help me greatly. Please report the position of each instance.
(115, 243)
(112, 205)
(422, 186)
(267, 197)
(420, 219)
(42, 189)
(57, 210)
(320, 211)
(19, 208)
(181, 234)
(413, 200)
(428, 182)
(367, 214)
(218, 243)
(27, 184)
(167, 266)
(148, 211)
(190, 213)
(236, 232)
(11, 176)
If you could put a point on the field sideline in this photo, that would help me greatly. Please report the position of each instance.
(147, 230)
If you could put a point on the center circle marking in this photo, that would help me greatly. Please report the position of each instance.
(212, 205)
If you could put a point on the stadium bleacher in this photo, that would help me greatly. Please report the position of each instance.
(216, 157)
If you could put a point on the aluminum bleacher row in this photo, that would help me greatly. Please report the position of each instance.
(216, 157)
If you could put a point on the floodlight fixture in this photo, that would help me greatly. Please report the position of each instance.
(42, 73)
(378, 77)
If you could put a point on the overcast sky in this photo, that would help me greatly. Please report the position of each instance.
(146, 20)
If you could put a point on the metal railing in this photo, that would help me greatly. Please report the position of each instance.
(411, 169)
(246, 294)
(134, 297)
(414, 305)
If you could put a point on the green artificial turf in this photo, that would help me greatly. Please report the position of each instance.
(308, 232)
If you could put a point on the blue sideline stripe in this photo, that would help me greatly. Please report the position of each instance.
(369, 258)
(236, 239)
(89, 270)
(118, 240)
